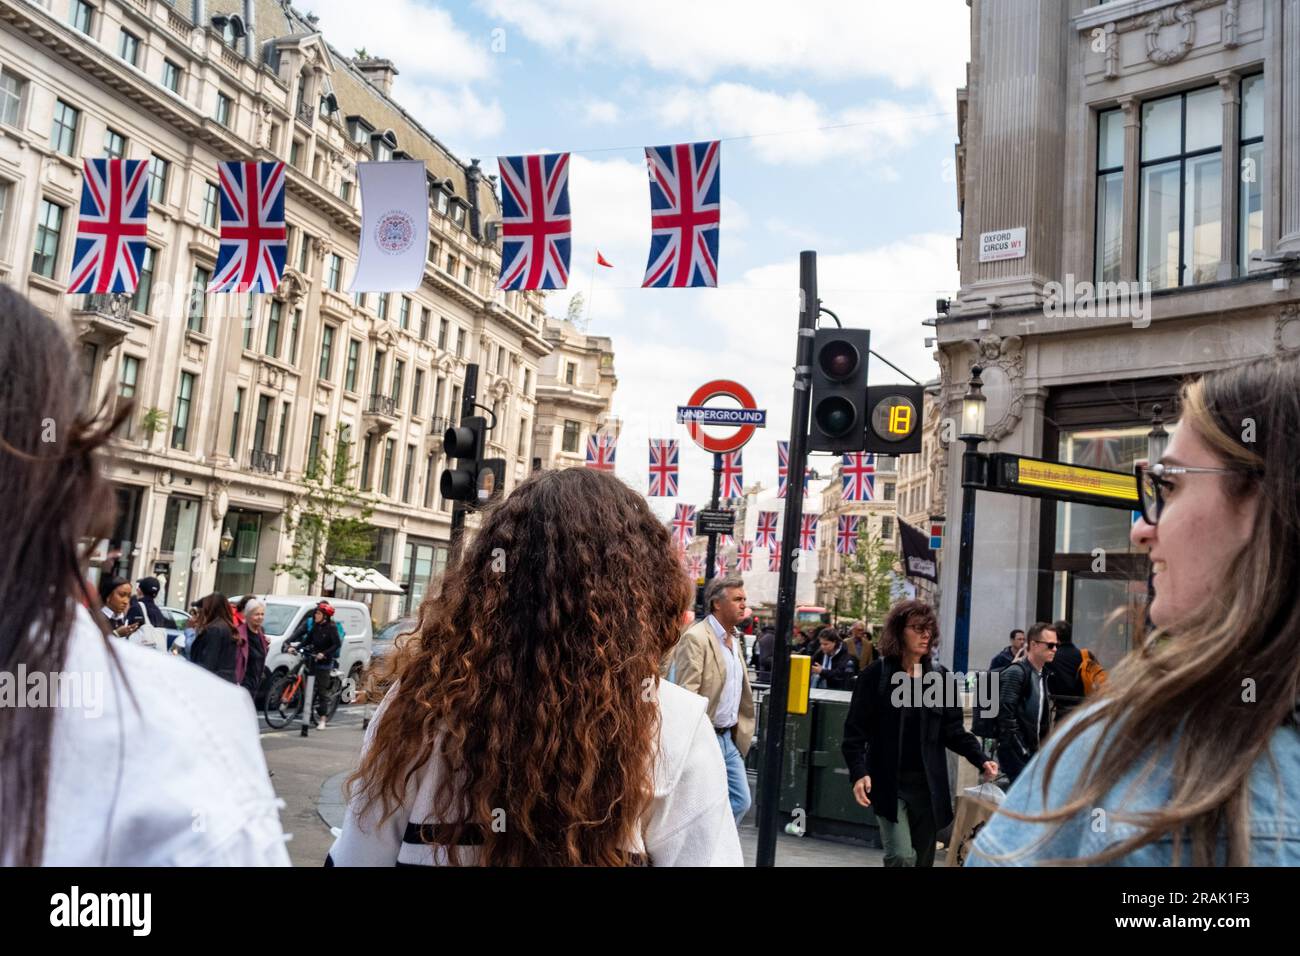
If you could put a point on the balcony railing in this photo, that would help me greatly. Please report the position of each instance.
(306, 113)
(439, 425)
(264, 462)
(383, 405)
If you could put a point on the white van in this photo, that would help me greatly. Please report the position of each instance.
(283, 614)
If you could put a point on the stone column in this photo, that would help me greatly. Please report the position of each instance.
(1287, 73)
(1230, 84)
(1132, 186)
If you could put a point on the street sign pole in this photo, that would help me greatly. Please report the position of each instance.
(774, 731)
(459, 509)
(700, 610)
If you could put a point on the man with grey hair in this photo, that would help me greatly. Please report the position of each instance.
(709, 661)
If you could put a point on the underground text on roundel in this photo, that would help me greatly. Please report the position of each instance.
(76, 909)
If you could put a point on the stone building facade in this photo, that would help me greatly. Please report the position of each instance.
(575, 393)
(1137, 141)
(236, 395)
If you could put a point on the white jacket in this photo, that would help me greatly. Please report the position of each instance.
(689, 822)
(176, 778)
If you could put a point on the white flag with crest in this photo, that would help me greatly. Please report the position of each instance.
(394, 226)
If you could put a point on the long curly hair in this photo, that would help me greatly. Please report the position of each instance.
(532, 678)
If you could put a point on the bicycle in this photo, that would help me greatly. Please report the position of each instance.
(287, 692)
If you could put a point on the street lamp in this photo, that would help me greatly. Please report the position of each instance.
(227, 541)
(973, 474)
(1157, 438)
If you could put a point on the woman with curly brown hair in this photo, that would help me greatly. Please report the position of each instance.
(527, 725)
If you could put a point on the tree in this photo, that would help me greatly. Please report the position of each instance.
(868, 574)
(330, 520)
(577, 305)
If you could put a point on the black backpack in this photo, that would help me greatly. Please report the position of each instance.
(987, 727)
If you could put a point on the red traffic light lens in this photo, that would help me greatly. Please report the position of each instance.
(838, 359)
(835, 416)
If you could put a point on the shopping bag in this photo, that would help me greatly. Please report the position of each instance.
(150, 636)
(974, 808)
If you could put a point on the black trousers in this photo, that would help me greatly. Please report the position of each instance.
(322, 674)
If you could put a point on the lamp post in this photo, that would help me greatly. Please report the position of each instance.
(227, 541)
(973, 467)
(1157, 438)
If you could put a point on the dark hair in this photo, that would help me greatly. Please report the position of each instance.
(108, 584)
(829, 634)
(149, 587)
(243, 602)
(910, 611)
(577, 624)
(53, 497)
(1063, 631)
(1037, 628)
(214, 609)
(1014, 632)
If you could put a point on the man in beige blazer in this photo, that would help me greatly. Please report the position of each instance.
(709, 660)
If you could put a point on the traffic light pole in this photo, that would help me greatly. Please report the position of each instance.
(458, 510)
(700, 610)
(774, 731)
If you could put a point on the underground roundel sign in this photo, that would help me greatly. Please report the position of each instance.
(698, 413)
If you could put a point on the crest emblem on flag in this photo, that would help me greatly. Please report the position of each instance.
(774, 558)
(663, 468)
(732, 475)
(685, 210)
(765, 535)
(254, 239)
(536, 227)
(858, 471)
(846, 536)
(783, 469)
(394, 232)
(745, 556)
(112, 225)
(600, 452)
(808, 533)
(684, 525)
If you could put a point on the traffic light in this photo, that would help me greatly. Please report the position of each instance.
(894, 419)
(464, 443)
(839, 390)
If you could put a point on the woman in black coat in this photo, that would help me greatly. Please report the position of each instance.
(216, 644)
(894, 746)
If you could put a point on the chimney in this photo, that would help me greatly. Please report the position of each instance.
(199, 13)
(379, 72)
(250, 30)
(472, 176)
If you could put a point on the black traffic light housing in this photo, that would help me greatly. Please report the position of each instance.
(475, 480)
(894, 419)
(838, 415)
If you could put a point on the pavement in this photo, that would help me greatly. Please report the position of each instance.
(308, 775)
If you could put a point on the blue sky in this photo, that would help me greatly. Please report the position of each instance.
(875, 197)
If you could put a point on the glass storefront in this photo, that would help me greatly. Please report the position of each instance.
(126, 532)
(422, 567)
(241, 534)
(176, 550)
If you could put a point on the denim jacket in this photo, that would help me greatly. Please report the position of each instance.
(1274, 810)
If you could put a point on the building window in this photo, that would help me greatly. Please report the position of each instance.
(460, 343)
(286, 411)
(404, 313)
(49, 233)
(570, 373)
(399, 372)
(433, 254)
(295, 154)
(350, 375)
(12, 89)
(326, 353)
(234, 423)
(334, 274)
(458, 214)
(313, 446)
(294, 328)
(1110, 195)
(345, 190)
(261, 423)
(1250, 203)
(181, 417)
(451, 264)
(887, 530)
(211, 204)
(171, 76)
(144, 287)
(114, 144)
(523, 438)
(528, 382)
(888, 494)
(159, 169)
(572, 431)
(381, 308)
(386, 475)
(442, 202)
(417, 392)
(437, 396)
(343, 454)
(367, 452)
(407, 474)
(224, 106)
(127, 378)
(304, 249)
(129, 47)
(250, 320)
(359, 300)
(430, 463)
(376, 374)
(469, 276)
(273, 329)
(442, 334)
(83, 16)
(425, 317)
(63, 134)
(454, 412)
(1182, 187)
(198, 299)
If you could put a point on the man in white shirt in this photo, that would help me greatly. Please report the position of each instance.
(709, 661)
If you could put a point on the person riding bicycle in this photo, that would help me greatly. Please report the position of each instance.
(321, 638)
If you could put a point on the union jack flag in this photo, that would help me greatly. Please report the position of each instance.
(663, 468)
(858, 471)
(783, 469)
(808, 533)
(536, 230)
(254, 239)
(726, 540)
(684, 525)
(600, 452)
(846, 538)
(719, 566)
(695, 565)
(685, 210)
(112, 226)
(765, 536)
(732, 475)
(774, 558)
(745, 556)
(1098, 453)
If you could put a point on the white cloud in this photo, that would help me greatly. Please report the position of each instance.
(600, 112)
(452, 113)
(922, 44)
(735, 109)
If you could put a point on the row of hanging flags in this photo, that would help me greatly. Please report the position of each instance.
(536, 229)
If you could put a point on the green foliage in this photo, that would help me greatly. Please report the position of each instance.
(330, 520)
(153, 421)
(868, 575)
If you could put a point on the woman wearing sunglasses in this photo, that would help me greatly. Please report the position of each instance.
(1191, 753)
